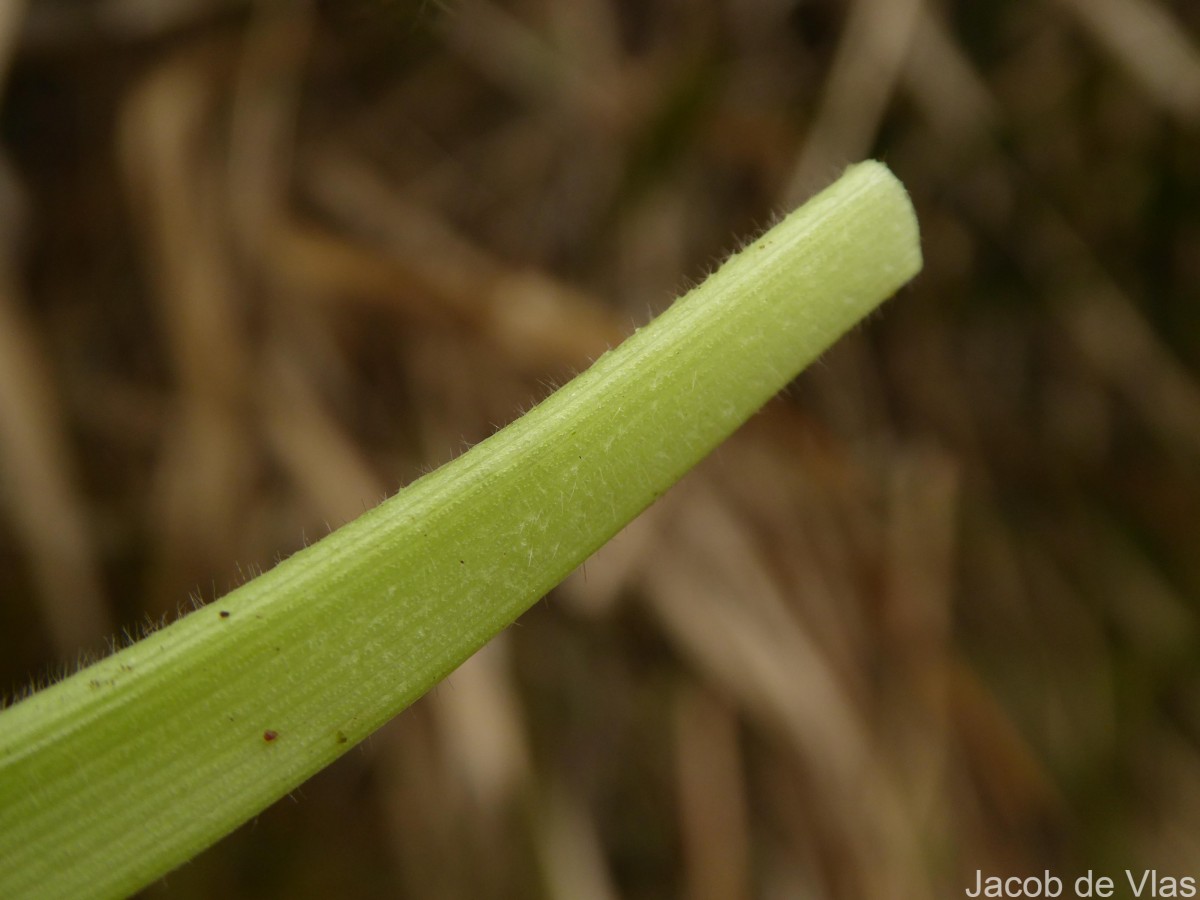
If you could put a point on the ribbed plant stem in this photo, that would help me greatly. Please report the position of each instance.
(116, 775)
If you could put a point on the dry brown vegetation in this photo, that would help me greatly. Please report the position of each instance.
(934, 610)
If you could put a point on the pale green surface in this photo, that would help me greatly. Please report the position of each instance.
(116, 775)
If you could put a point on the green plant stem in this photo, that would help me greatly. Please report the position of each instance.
(128, 768)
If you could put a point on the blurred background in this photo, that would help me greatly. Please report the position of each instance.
(933, 610)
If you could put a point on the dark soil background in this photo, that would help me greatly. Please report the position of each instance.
(935, 610)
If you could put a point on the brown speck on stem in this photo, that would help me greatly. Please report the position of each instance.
(270, 735)
(224, 614)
